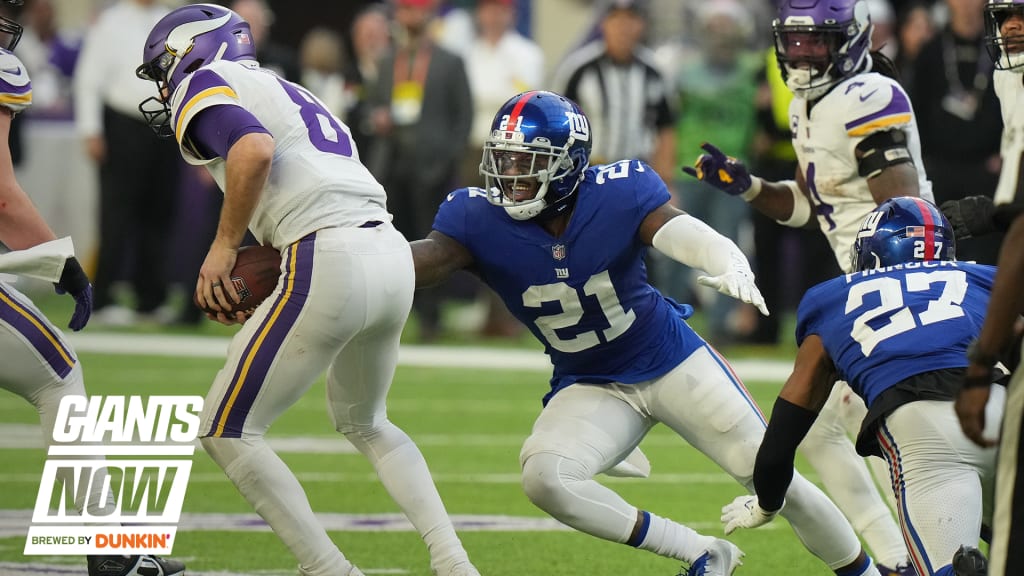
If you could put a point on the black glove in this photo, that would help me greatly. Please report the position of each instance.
(970, 216)
(74, 281)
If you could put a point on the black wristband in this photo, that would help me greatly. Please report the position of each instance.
(73, 279)
(975, 356)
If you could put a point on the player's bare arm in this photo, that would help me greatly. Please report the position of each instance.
(247, 168)
(1004, 307)
(21, 225)
(437, 257)
(809, 384)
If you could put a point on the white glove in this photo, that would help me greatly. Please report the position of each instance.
(737, 283)
(745, 512)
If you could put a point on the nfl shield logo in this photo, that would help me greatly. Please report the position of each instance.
(558, 251)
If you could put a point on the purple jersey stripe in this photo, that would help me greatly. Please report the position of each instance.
(202, 84)
(37, 331)
(266, 342)
(898, 106)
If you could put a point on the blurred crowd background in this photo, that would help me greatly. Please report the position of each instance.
(418, 81)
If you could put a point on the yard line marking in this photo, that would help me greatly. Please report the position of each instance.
(408, 355)
(47, 569)
(13, 523)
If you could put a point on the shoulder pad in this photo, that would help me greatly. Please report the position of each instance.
(873, 102)
(15, 86)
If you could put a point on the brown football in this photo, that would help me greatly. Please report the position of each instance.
(254, 276)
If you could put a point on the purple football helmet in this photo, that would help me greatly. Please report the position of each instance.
(1007, 51)
(180, 43)
(902, 230)
(819, 43)
(537, 138)
(11, 28)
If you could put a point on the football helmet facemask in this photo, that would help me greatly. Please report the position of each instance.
(819, 43)
(902, 230)
(181, 42)
(535, 156)
(9, 29)
(1007, 52)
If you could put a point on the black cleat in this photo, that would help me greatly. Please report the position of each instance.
(969, 561)
(144, 565)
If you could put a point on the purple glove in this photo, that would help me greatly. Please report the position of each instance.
(723, 172)
(74, 281)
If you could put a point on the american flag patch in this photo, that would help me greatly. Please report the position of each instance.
(915, 231)
(243, 38)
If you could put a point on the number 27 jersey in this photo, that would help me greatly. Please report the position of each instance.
(883, 326)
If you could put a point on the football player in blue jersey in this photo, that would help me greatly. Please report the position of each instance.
(897, 329)
(563, 244)
(39, 363)
(856, 142)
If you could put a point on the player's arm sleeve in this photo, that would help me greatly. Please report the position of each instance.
(15, 86)
(203, 89)
(215, 130)
(795, 410)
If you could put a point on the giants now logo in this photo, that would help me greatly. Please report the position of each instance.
(115, 477)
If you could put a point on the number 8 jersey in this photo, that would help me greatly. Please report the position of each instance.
(316, 179)
(883, 326)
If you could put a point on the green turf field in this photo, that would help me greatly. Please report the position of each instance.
(469, 423)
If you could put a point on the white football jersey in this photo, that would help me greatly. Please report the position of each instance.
(825, 141)
(316, 179)
(1009, 86)
(15, 86)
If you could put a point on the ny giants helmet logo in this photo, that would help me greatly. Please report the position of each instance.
(579, 126)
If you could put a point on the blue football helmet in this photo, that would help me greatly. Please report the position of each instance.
(10, 28)
(539, 142)
(181, 42)
(902, 230)
(820, 43)
(1007, 51)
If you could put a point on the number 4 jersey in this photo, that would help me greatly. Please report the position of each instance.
(584, 294)
(883, 326)
(316, 180)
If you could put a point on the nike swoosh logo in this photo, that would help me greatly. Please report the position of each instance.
(864, 97)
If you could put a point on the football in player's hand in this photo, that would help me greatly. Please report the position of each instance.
(254, 277)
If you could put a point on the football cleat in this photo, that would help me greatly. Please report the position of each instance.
(720, 559)
(144, 565)
(904, 569)
(969, 561)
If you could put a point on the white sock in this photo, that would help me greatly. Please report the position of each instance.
(404, 474)
(276, 495)
(673, 540)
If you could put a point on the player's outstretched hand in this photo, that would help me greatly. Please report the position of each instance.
(74, 281)
(970, 216)
(723, 172)
(745, 512)
(737, 283)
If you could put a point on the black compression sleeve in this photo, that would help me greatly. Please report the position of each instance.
(773, 469)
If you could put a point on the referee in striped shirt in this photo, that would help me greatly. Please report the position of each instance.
(615, 81)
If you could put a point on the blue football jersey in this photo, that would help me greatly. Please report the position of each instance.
(883, 326)
(585, 294)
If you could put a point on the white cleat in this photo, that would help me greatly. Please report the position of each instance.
(461, 569)
(720, 559)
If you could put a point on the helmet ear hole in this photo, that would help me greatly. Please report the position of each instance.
(194, 65)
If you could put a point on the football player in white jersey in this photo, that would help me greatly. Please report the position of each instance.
(1004, 37)
(978, 215)
(39, 364)
(291, 174)
(857, 145)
